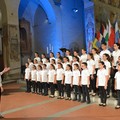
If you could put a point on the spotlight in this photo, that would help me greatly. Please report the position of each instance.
(75, 10)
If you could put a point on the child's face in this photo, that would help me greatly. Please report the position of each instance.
(88, 57)
(67, 68)
(51, 67)
(83, 66)
(83, 51)
(100, 66)
(44, 67)
(67, 53)
(115, 47)
(104, 57)
(103, 47)
(93, 51)
(26, 65)
(118, 67)
(65, 60)
(38, 68)
(75, 67)
(74, 59)
(59, 66)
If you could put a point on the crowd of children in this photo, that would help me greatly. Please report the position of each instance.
(89, 74)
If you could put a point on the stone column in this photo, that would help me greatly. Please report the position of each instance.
(11, 41)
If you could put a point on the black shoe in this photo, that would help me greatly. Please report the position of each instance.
(117, 107)
(74, 99)
(1, 117)
(83, 101)
(79, 100)
(104, 104)
(88, 102)
(101, 104)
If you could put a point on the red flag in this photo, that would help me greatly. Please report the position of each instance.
(111, 39)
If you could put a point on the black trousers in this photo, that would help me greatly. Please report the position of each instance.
(39, 87)
(103, 95)
(52, 88)
(77, 90)
(118, 95)
(60, 87)
(45, 88)
(93, 83)
(68, 90)
(28, 85)
(109, 84)
(34, 84)
(85, 93)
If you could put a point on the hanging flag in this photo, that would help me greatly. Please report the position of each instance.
(94, 44)
(109, 28)
(111, 40)
(102, 28)
(117, 36)
(105, 34)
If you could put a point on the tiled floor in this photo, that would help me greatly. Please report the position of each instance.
(18, 105)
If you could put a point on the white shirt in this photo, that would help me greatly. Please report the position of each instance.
(60, 73)
(44, 60)
(83, 58)
(39, 76)
(51, 75)
(84, 77)
(70, 58)
(75, 63)
(107, 65)
(65, 64)
(38, 59)
(52, 58)
(27, 73)
(68, 77)
(117, 78)
(115, 55)
(104, 52)
(76, 77)
(34, 75)
(44, 74)
(0, 79)
(30, 65)
(101, 74)
(47, 66)
(96, 59)
(90, 66)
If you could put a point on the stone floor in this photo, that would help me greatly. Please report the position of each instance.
(18, 105)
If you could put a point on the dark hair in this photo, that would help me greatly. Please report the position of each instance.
(69, 66)
(60, 64)
(104, 43)
(101, 62)
(67, 58)
(44, 54)
(95, 50)
(91, 55)
(76, 65)
(53, 66)
(45, 65)
(34, 66)
(84, 63)
(76, 58)
(107, 56)
(27, 63)
(68, 50)
(52, 53)
(37, 53)
(76, 51)
(40, 67)
(118, 45)
(53, 61)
